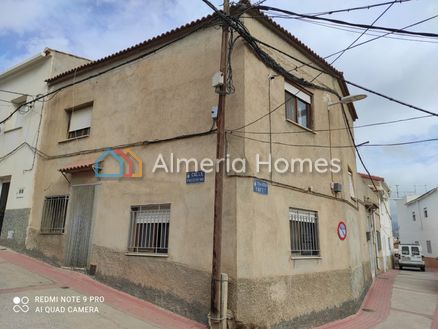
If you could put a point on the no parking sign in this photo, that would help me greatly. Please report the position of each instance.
(342, 231)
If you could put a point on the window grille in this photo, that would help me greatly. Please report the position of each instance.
(304, 232)
(149, 231)
(54, 214)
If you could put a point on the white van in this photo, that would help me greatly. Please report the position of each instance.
(411, 256)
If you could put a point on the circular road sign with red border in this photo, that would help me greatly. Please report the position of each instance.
(342, 231)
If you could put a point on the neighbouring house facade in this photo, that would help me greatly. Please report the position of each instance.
(19, 137)
(296, 251)
(381, 227)
(418, 222)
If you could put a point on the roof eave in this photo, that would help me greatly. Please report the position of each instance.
(26, 64)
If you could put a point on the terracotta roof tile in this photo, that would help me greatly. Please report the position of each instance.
(376, 178)
(79, 165)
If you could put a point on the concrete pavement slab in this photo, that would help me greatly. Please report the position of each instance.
(13, 277)
(34, 294)
(51, 314)
(403, 320)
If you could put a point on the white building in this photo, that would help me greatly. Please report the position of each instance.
(418, 221)
(383, 232)
(19, 136)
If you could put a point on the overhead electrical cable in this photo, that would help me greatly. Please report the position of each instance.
(391, 98)
(330, 12)
(381, 28)
(240, 28)
(342, 52)
(241, 135)
(349, 82)
(14, 92)
(385, 35)
(337, 129)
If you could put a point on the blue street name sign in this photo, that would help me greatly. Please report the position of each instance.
(260, 187)
(193, 177)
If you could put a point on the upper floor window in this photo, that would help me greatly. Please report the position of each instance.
(350, 183)
(425, 212)
(79, 120)
(15, 121)
(298, 106)
(414, 217)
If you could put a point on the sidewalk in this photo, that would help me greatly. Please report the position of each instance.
(397, 299)
(44, 285)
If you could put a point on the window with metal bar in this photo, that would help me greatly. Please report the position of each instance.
(54, 214)
(304, 235)
(149, 230)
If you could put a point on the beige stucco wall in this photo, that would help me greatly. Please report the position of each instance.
(165, 95)
(299, 290)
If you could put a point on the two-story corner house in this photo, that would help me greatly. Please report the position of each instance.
(293, 248)
(418, 222)
(381, 228)
(19, 136)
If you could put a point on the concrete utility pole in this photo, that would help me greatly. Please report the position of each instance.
(219, 179)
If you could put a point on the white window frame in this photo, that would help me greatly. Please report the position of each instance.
(297, 96)
(304, 233)
(351, 184)
(149, 229)
(83, 128)
(14, 122)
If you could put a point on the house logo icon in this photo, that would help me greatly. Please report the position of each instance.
(129, 164)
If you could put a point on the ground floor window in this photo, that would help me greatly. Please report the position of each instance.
(54, 214)
(429, 246)
(149, 231)
(304, 235)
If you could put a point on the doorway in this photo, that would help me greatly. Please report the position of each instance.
(370, 238)
(4, 187)
(78, 233)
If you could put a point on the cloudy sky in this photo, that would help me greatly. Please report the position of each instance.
(406, 70)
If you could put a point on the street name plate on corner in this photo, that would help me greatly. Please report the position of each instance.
(260, 187)
(193, 177)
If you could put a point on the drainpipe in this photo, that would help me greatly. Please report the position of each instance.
(224, 300)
